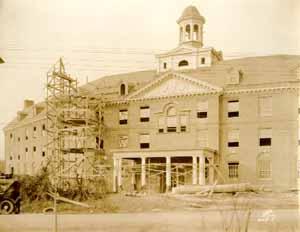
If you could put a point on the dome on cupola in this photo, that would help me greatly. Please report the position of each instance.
(190, 12)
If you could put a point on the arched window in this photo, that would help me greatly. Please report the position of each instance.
(122, 89)
(187, 32)
(183, 63)
(171, 119)
(196, 32)
(263, 166)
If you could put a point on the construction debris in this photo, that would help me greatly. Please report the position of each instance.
(224, 188)
(59, 198)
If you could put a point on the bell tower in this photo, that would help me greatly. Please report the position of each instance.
(191, 27)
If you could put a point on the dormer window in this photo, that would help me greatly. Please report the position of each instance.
(183, 63)
(123, 89)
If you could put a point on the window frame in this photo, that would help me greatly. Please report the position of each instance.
(233, 140)
(264, 141)
(144, 145)
(121, 120)
(261, 104)
(236, 113)
(233, 169)
(121, 138)
(262, 161)
(144, 119)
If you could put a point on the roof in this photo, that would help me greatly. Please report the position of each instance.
(190, 12)
(257, 72)
(109, 85)
(30, 116)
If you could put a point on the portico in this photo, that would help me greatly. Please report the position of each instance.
(199, 165)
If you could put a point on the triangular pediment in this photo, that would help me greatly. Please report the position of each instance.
(174, 84)
(178, 51)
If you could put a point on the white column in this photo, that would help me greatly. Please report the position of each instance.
(168, 173)
(115, 164)
(133, 175)
(120, 173)
(211, 171)
(194, 169)
(143, 175)
(202, 169)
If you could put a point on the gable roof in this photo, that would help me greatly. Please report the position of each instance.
(180, 84)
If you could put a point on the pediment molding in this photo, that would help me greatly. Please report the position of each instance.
(174, 84)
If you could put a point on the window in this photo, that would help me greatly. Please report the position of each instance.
(265, 137)
(171, 120)
(122, 89)
(34, 149)
(264, 166)
(43, 153)
(19, 139)
(11, 136)
(11, 157)
(102, 144)
(183, 123)
(34, 131)
(233, 138)
(183, 63)
(19, 157)
(165, 65)
(196, 32)
(144, 141)
(26, 134)
(265, 106)
(187, 32)
(26, 153)
(203, 138)
(43, 130)
(233, 169)
(123, 117)
(161, 124)
(202, 60)
(202, 109)
(233, 108)
(145, 114)
(123, 141)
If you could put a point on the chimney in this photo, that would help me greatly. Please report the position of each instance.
(21, 115)
(38, 109)
(28, 103)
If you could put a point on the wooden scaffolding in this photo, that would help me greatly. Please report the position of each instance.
(74, 129)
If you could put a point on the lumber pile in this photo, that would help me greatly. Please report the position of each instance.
(222, 188)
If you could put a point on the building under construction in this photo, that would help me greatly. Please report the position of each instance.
(196, 119)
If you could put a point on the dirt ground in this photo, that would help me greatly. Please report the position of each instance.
(120, 203)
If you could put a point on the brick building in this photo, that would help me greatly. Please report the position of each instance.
(196, 119)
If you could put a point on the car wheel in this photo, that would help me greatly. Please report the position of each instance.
(7, 206)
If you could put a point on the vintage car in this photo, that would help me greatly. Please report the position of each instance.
(10, 199)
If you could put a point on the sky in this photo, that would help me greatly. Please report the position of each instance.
(97, 37)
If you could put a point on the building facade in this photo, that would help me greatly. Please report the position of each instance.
(196, 119)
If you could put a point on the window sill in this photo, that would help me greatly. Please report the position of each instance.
(175, 132)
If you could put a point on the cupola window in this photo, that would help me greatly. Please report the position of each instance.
(196, 32)
(187, 32)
